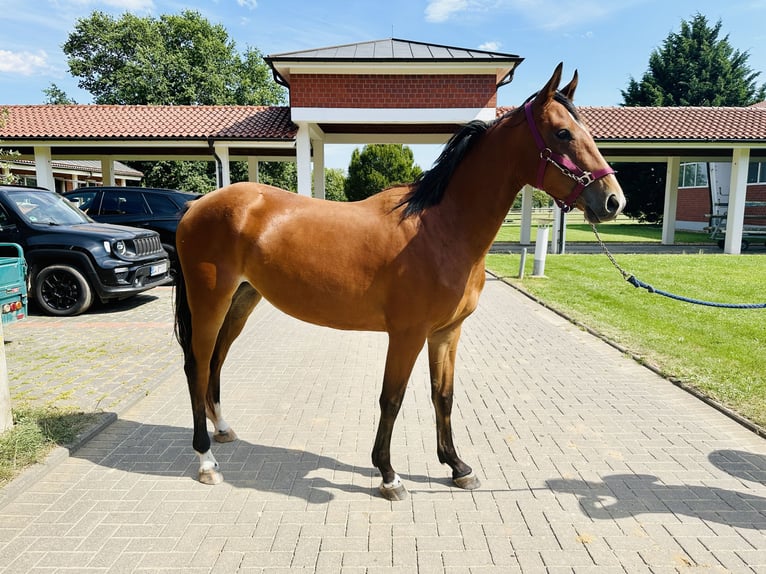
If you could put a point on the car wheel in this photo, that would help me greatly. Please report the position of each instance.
(62, 290)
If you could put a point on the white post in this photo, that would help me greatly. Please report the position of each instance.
(735, 217)
(541, 248)
(527, 196)
(6, 417)
(671, 201)
(43, 168)
(318, 147)
(558, 242)
(107, 171)
(222, 152)
(303, 157)
(253, 169)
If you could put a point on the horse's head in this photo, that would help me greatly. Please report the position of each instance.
(579, 175)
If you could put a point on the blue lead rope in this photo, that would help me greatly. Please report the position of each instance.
(636, 282)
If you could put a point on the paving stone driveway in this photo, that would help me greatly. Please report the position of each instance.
(588, 461)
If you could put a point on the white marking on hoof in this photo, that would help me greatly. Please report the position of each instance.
(209, 472)
(467, 482)
(393, 490)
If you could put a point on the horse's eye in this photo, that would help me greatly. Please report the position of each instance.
(564, 135)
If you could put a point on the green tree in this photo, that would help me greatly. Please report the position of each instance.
(694, 67)
(55, 95)
(334, 184)
(377, 167)
(179, 59)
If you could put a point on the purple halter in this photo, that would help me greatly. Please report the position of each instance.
(565, 165)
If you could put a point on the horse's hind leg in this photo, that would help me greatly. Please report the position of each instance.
(442, 348)
(402, 352)
(242, 304)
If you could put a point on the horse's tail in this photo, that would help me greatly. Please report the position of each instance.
(183, 319)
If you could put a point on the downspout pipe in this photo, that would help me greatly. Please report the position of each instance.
(218, 163)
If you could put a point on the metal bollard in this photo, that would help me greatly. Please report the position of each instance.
(541, 249)
(523, 262)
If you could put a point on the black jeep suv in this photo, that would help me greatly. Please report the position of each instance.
(73, 259)
(148, 207)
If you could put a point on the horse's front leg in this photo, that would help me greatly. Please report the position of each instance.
(403, 350)
(442, 349)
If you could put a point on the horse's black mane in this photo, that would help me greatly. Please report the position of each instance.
(429, 188)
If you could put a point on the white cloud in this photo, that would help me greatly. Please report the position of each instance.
(250, 4)
(441, 10)
(490, 46)
(24, 63)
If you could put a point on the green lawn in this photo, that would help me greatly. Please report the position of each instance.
(721, 352)
(623, 230)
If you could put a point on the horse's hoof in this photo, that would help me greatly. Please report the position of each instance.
(225, 436)
(393, 491)
(467, 482)
(210, 476)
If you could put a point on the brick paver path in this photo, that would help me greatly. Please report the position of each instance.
(588, 461)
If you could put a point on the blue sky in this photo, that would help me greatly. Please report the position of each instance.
(607, 41)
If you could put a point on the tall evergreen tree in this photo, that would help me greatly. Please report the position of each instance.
(693, 67)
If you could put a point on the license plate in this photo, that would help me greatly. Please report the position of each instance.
(158, 269)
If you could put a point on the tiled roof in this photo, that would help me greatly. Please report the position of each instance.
(393, 49)
(685, 124)
(147, 122)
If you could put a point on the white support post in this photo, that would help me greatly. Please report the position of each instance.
(671, 201)
(107, 171)
(303, 158)
(222, 152)
(318, 147)
(43, 168)
(527, 195)
(558, 243)
(6, 416)
(253, 169)
(735, 218)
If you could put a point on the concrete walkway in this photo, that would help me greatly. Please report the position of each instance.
(589, 462)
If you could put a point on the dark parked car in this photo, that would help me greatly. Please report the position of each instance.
(147, 207)
(72, 259)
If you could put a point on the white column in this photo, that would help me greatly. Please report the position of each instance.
(252, 169)
(43, 168)
(735, 218)
(303, 159)
(558, 242)
(527, 196)
(671, 201)
(107, 170)
(222, 152)
(318, 147)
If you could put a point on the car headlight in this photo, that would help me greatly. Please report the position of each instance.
(119, 247)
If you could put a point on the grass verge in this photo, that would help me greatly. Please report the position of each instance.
(717, 351)
(36, 431)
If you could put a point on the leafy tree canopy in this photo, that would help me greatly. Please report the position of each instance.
(695, 67)
(377, 167)
(176, 59)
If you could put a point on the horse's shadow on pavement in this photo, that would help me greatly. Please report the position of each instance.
(163, 450)
(630, 495)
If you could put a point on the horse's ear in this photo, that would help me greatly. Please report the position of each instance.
(546, 94)
(569, 89)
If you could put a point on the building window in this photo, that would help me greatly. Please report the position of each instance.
(693, 175)
(756, 173)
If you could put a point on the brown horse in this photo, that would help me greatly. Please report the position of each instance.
(408, 261)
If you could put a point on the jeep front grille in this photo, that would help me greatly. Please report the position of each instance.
(147, 245)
